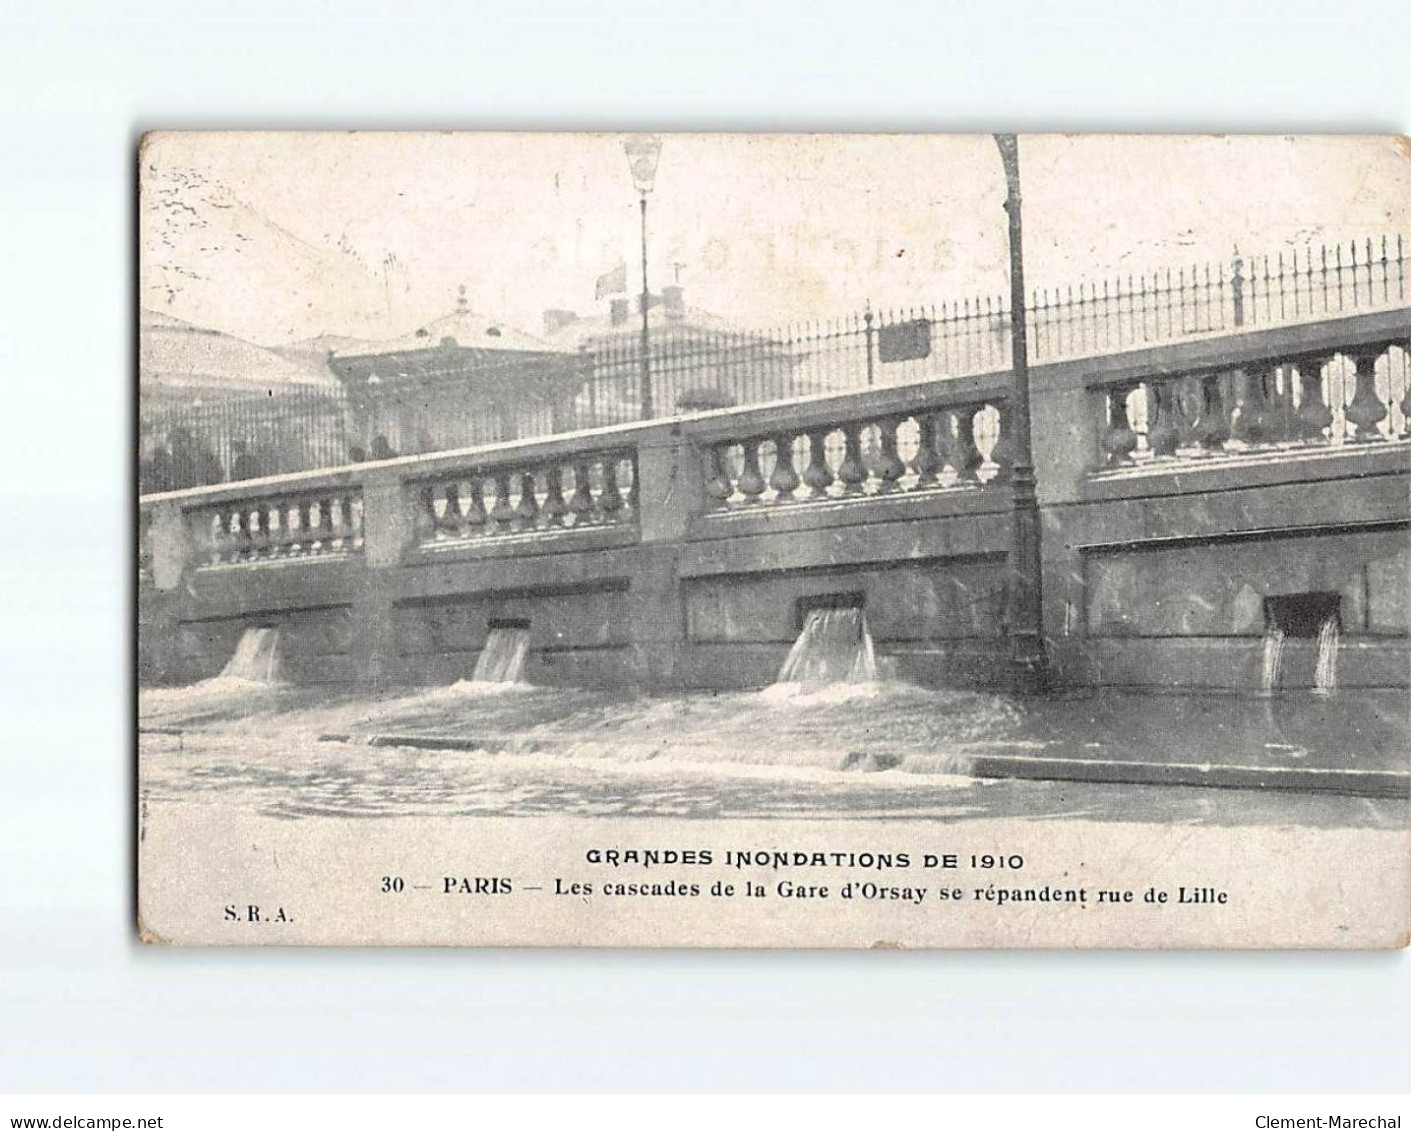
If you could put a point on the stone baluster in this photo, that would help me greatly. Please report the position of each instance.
(717, 483)
(266, 537)
(224, 547)
(475, 516)
(214, 537)
(1212, 428)
(1186, 401)
(610, 498)
(239, 540)
(424, 518)
(555, 506)
(1002, 454)
(246, 551)
(1257, 422)
(282, 531)
(1366, 409)
(1314, 416)
(326, 529)
(927, 462)
(784, 479)
(285, 529)
(1405, 404)
(304, 542)
(1119, 440)
(353, 521)
(634, 492)
(851, 473)
(342, 541)
(751, 481)
(1163, 433)
(294, 527)
(890, 468)
(527, 510)
(581, 504)
(818, 476)
(277, 533)
(258, 540)
(448, 522)
(502, 514)
(269, 530)
(961, 451)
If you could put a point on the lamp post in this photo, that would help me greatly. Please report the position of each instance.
(1030, 673)
(643, 153)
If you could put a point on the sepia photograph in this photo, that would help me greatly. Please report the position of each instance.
(772, 540)
(743, 565)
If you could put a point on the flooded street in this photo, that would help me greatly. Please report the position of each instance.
(871, 750)
(296, 779)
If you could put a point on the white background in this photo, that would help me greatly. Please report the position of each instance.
(82, 1006)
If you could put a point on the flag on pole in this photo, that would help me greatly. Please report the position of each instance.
(613, 283)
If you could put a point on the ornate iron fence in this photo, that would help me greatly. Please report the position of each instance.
(695, 368)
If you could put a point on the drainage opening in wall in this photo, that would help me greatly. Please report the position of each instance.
(1301, 616)
(501, 661)
(834, 645)
(803, 606)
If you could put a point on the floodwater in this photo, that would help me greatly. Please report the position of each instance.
(874, 750)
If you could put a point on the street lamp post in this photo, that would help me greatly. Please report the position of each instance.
(643, 153)
(1030, 673)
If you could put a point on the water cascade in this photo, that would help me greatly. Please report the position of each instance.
(1325, 675)
(834, 647)
(1303, 616)
(257, 657)
(1274, 637)
(501, 661)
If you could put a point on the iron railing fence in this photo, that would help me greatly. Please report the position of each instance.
(194, 445)
(695, 368)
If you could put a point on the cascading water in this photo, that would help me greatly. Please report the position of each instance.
(1303, 616)
(501, 661)
(1274, 637)
(257, 657)
(1325, 675)
(834, 647)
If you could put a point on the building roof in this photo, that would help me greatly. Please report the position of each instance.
(463, 328)
(662, 321)
(174, 355)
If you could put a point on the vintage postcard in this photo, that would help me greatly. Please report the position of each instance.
(773, 540)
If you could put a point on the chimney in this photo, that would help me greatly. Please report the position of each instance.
(556, 320)
(621, 310)
(673, 298)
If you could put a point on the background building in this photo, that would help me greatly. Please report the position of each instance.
(461, 380)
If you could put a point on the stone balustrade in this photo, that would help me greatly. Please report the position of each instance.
(1314, 400)
(954, 447)
(320, 524)
(1273, 396)
(540, 496)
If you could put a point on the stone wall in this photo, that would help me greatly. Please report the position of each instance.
(676, 554)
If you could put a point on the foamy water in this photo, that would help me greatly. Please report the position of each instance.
(841, 728)
(300, 781)
(882, 747)
(809, 696)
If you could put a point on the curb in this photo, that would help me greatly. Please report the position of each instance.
(1356, 783)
